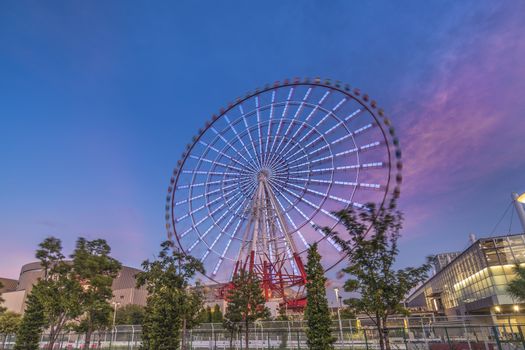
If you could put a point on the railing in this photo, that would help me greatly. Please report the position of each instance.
(291, 335)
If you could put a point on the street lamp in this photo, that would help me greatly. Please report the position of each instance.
(115, 304)
(336, 290)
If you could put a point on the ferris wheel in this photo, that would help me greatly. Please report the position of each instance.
(258, 181)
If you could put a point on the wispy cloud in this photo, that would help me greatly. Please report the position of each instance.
(467, 115)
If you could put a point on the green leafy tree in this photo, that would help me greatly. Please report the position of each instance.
(204, 315)
(32, 324)
(130, 314)
(246, 304)
(216, 314)
(516, 287)
(372, 250)
(171, 306)
(317, 313)
(58, 292)
(282, 316)
(96, 270)
(9, 323)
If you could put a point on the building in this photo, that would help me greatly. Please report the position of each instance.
(16, 291)
(443, 259)
(475, 282)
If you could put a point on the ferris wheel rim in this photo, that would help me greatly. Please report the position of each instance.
(391, 144)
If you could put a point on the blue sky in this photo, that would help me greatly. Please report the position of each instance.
(99, 98)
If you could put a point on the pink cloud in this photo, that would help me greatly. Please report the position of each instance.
(468, 117)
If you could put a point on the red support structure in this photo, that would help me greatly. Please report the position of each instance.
(276, 281)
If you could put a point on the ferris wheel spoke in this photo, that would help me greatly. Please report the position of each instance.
(221, 259)
(312, 112)
(238, 137)
(334, 244)
(258, 113)
(297, 112)
(313, 142)
(256, 155)
(281, 120)
(293, 223)
(216, 173)
(201, 237)
(270, 120)
(329, 239)
(310, 132)
(215, 163)
(246, 165)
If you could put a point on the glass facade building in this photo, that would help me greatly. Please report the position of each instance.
(475, 282)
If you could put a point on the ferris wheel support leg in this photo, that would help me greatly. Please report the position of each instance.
(266, 281)
(252, 261)
(300, 266)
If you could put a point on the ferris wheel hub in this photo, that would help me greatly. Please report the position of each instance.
(264, 174)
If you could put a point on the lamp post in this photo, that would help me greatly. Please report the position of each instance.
(336, 290)
(519, 201)
(115, 304)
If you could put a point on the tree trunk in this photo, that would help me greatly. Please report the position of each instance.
(183, 347)
(87, 341)
(247, 334)
(385, 334)
(52, 340)
(379, 327)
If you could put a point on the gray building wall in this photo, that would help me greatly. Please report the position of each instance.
(124, 287)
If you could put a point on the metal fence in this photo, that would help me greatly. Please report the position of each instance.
(350, 334)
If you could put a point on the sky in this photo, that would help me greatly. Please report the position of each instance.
(98, 100)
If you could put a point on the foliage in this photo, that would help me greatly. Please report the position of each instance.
(95, 270)
(317, 313)
(348, 313)
(209, 315)
(205, 315)
(58, 293)
(216, 314)
(9, 324)
(282, 316)
(130, 315)
(2, 309)
(171, 306)
(69, 290)
(372, 250)
(246, 304)
(31, 326)
(516, 287)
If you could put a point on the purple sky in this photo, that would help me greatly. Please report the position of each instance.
(98, 99)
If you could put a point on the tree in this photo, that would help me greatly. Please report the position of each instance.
(204, 315)
(9, 323)
(246, 303)
(55, 298)
(317, 313)
(516, 287)
(130, 314)
(282, 316)
(171, 305)
(372, 250)
(95, 270)
(32, 325)
(216, 314)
